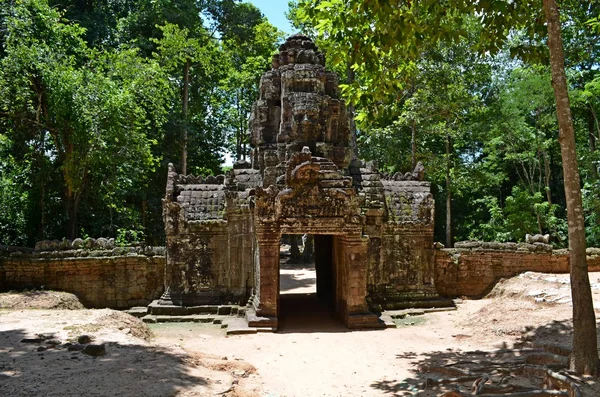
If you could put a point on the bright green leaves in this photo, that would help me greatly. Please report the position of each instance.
(424, 66)
(100, 110)
(177, 45)
(93, 115)
(249, 58)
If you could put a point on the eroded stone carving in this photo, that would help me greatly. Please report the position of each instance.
(373, 235)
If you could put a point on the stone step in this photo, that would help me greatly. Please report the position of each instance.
(415, 312)
(193, 318)
(158, 308)
(239, 326)
(139, 311)
(388, 321)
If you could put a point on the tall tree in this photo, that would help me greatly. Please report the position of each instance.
(88, 108)
(584, 358)
(249, 57)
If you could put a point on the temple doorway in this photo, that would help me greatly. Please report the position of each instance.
(307, 284)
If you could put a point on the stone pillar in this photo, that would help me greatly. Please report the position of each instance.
(268, 254)
(353, 275)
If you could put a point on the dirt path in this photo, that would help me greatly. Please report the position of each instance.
(312, 355)
(319, 357)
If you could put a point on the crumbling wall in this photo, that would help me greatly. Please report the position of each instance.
(116, 278)
(472, 268)
(400, 226)
(209, 236)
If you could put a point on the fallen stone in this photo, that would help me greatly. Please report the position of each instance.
(94, 350)
(84, 339)
(77, 243)
(75, 347)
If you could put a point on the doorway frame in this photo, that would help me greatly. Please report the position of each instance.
(350, 249)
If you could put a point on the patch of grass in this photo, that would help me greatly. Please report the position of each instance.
(410, 321)
(76, 330)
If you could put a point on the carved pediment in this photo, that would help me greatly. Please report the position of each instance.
(315, 202)
(315, 189)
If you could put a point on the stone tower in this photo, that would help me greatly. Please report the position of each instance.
(373, 235)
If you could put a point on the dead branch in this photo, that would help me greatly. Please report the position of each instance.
(560, 381)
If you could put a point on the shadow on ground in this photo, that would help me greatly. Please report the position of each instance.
(285, 263)
(305, 313)
(125, 370)
(504, 365)
(294, 281)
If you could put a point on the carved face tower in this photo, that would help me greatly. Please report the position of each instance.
(299, 106)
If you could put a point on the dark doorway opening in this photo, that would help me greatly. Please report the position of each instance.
(307, 290)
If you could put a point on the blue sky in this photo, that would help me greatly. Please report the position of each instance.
(274, 11)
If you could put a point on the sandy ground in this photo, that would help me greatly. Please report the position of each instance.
(312, 355)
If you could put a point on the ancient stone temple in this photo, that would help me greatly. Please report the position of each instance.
(373, 235)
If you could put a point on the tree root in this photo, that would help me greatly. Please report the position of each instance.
(539, 363)
(532, 393)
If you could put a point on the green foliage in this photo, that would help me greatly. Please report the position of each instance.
(523, 213)
(432, 69)
(250, 56)
(128, 237)
(13, 200)
(591, 205)
(90, 107)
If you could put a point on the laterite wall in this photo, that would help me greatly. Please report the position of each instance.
(131, 276)
(473, 268)
(114, 278)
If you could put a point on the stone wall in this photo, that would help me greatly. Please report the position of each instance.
(117, 278)
(210, 238)
(123, 277)
(471, 269)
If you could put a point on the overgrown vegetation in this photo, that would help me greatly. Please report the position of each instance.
(440, 82)
(97, 98)
(92, 110)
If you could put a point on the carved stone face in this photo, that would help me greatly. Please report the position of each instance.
(299, 106)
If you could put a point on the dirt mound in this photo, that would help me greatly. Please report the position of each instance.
(111, 325)
(39, 300)
(127, 323)
(539, 287)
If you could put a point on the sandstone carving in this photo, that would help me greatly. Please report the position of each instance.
(373, 236)
(537, 238)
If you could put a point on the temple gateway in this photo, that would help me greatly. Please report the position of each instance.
(373, 235)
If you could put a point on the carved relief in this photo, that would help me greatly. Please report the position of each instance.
(199, 264)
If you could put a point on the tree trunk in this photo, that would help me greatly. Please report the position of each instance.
(547, 177)
(294, 250)
(448, 196)
(592, 139)
(145, 220)
(309, 249)
(352, 139)
(413, 145)
(72, 203)
(185, 100)
(584, 358)
(238, 130)
(592, 129)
